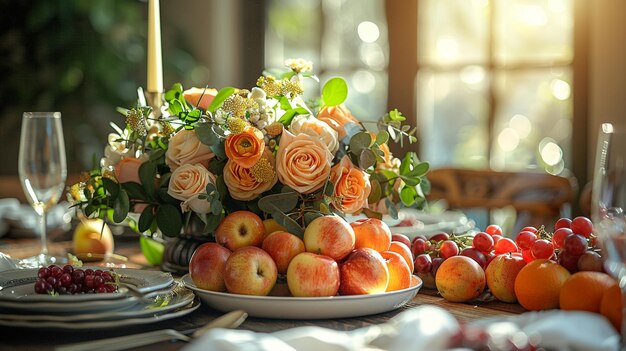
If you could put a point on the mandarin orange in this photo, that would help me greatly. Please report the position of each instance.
(538, 284)
(583, 291)
(611, 306)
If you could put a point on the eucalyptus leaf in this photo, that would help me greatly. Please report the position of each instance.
(288, 223)
(391, 208)
(382, 137)
(335, 91)
(375, 192)
(219, 99)
(169, 220)
(310, 216)
(206, 134)
(212, 222)
(367, 159)
(372, 214)
(121, 206)
(283, 202)
(359, 142)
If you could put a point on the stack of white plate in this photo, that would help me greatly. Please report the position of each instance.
(163, 298)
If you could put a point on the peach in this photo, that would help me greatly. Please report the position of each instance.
(206, 266)
(250, 271)
(460, 279)
(404, 251)
(271, 226)
(501, 273)
(399, 272)
(364, 272)
(372, 233)
(329, 235)
(312, 275)
(283, 247)
(200, 97)
(92, 236)
(239, 229)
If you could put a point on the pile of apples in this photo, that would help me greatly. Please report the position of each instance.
(461, 267)
(333, 257)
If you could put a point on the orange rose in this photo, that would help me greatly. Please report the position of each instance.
(337, 117)
(247, 183)
(186, 183)
(127, 170)
(312, 126)
(352, 186)
(245, 148)
(200, 97)
(302, 162)
(185, 148)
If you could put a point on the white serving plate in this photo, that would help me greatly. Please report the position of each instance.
(117, 323)
(163, 302)
(305, 307)
(432, 223)
(17, 286)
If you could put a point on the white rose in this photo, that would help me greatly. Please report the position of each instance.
(312, 126)
(185, 148)
(187, 183)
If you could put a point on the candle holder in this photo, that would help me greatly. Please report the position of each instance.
(155, 100)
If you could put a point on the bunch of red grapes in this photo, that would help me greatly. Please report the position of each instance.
(571, 245)
(68, 280)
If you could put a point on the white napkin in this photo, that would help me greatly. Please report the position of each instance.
(428, 328)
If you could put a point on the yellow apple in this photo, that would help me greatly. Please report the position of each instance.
(92, 236)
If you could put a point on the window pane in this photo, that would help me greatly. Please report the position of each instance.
(453, 117)
(533, 30)
(453, 31)
(533, 122)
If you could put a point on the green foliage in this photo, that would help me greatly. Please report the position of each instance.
(335, 92)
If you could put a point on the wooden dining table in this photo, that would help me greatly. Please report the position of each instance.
(16, 338)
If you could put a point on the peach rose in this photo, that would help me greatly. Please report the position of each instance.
(200, 97)
(337, 117)
(302, 162)
(312, 126)
(245, 148)
(127, 170)
(185, 148)
(186, 183)
(352, 186)
(247, 183)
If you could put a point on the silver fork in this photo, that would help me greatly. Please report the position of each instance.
(229, 320)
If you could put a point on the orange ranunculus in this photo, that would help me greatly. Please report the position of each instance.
(245, 148)
(127, 170)
(187, 183)
(337, 117)
(200, 97)
(246, 184)
(185, 148)
(302, 162)
(352, 186)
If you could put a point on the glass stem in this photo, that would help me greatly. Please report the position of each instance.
(42, 230)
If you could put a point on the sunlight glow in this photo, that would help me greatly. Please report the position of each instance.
(560, 89)
(368, 31)
(508, 140)
(533, 15)
(550, 152)
(447, 48)
(472, 74)
(521, 124)
(364, 81)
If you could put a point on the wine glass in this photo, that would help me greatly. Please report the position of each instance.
(609, 203)
(42, 170)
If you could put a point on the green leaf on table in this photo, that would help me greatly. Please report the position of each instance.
(169, 220)
(121, 206)
(219, 99)
(335, 91)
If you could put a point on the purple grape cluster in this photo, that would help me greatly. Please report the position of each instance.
(67, 280)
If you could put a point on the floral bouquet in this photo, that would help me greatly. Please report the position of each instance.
(208, 153)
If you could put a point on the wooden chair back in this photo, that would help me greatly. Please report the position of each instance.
(538, 198)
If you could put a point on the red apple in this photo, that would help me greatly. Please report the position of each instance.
(329, 235)
(250, 271)
(399, 272)
(239, 229)
(283, 247)
(206, 266)
(401, 238)
(501, 273)
(312, 275)
(364, 272)
(372, 233)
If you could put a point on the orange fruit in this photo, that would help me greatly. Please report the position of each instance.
(583, 291)
(539, 283)
(611, 306)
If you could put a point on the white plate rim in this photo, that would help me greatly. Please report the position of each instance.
(144, 280)
(109, 324)
(184, 297)
(329, 306)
